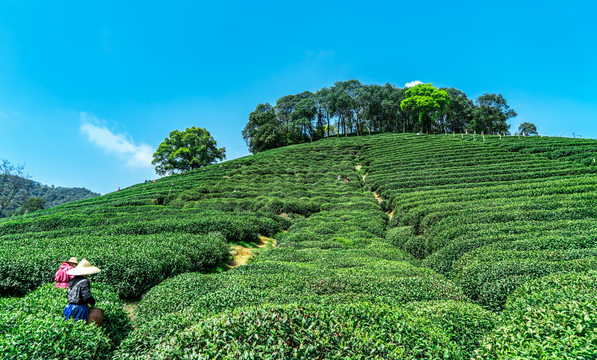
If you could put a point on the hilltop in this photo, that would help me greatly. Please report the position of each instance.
(53, 195)
(386, 246)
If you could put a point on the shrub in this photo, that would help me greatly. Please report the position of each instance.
(33, 326)
(333, 331)
(132, 264)
(552, 317)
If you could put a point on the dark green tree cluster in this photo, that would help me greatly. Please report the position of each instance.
(25, 197)
(527, 128)
(352, 108)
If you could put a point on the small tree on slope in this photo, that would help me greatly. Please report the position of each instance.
(186, 150)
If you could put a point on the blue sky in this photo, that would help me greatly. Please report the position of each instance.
(88, 90)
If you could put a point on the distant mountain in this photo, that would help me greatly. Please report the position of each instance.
(53, 195)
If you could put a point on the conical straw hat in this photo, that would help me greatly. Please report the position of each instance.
(84, 268)
(73, 260)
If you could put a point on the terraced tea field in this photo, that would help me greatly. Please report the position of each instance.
(490, 253)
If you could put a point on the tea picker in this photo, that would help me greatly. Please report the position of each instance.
(79, 291)
(62, 278)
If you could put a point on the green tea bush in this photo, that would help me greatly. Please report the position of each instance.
(551, 317)
(491, 216)
(399, 236)
(332, 331)
(32, 327)
(132, 264)
(340, 275)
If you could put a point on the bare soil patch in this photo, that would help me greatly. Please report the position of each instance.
(131, 307)
(241, 254)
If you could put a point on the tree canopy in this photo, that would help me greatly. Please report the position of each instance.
(186, 150)
(263, 131)
(527, 129)
(31, 205)
(491, 114)
(12, 180)
(353, 108)
(426, 102)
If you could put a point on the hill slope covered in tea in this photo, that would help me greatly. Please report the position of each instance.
(486, 245)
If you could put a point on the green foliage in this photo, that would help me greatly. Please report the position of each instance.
(34, 203)
(187, 150)
(527, 129)
(52, 195)
(491, 114)
(33, 327)
(472, 221)
(459, 111)
(552, 317)
(488, 218)
(333, 331)
(263, 131)
(132, 264)
(425, 102)
(352, 108)
(12, 180)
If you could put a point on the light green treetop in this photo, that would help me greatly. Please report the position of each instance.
(425, 101)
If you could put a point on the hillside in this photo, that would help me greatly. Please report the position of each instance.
(53, 196)
(436, 247)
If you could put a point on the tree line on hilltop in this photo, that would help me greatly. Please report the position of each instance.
(19, 195)
(352, 108)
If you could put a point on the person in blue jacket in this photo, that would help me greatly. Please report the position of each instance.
(78, 293)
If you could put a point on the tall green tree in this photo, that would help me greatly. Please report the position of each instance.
(284, 108)
(370, 99)
(264, 130)
(302, 116)
(459, 112)
(426, 102)
(323, 101)
(527, 129)
(394, 116)
(12, 179)
(491, 114)
(186, 150)
(351, 104)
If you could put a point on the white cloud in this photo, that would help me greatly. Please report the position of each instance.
(135, 156)
(412, 83)
(3, 114)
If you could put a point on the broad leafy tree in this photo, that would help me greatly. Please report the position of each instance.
(426, 102)
(31, 205)
(394, 116)
(264, 130)
(459, 112)
(12, 179)
(186, 150)
(491, 114)
(301, 121)
(284, 109)
(527, 128)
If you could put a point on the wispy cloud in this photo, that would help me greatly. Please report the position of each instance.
(134, 156)
(412, 83)
(3, 114)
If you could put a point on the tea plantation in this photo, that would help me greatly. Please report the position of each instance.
(438, 247)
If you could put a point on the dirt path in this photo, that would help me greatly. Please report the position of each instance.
(130, 306)
(241, 254)
(358, 167)
(376, 195)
